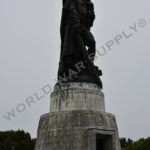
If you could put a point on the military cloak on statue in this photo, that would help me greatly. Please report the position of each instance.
(76, 19)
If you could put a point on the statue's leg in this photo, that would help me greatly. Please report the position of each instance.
(90, 67)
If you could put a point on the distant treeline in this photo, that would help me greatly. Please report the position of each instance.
(20, 140)
(142, 144)
(16, 140)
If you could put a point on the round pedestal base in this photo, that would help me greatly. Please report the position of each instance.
(77, 130)
(77, 96)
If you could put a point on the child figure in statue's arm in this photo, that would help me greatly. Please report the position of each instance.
(82, 17)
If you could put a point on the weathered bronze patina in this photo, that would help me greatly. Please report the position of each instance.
(78, 46)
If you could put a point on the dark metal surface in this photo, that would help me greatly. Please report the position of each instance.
(78, 45)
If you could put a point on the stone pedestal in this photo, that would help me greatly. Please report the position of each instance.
(77, 120)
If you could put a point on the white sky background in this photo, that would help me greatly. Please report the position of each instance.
(29, 56)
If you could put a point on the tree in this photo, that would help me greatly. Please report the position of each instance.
(125, 142)
(142, 144)
(16, 140)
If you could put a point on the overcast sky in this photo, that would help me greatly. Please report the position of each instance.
(29, 56)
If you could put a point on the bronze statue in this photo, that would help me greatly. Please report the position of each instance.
(78, 45)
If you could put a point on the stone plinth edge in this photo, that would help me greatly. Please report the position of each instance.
(77, 96)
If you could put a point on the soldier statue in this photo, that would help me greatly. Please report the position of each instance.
(78, 46)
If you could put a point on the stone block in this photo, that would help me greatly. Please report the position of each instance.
(76, 130)
(77, 96)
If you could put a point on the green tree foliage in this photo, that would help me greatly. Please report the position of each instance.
(125, 142)
(142, 144)
(16, 140)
